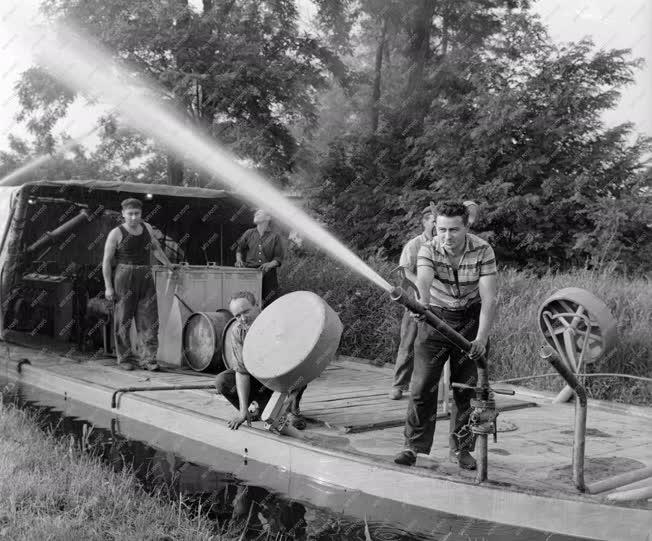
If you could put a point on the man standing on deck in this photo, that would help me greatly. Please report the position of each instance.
(408, 266)
(248, 395)
(456, 279)
(132, 286)
(261, 248)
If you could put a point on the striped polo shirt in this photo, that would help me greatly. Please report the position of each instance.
(410, 252)
(408, 260)
(457, 289)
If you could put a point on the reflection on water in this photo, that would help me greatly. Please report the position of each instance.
(241, 509)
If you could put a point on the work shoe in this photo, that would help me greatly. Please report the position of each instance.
(464, 459)
(125, 365)
(152, 366)
(254, 411)
(407, 457)
(296, 421)
(396, 393)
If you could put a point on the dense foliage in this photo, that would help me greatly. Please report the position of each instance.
(384, 106)
(509, 119)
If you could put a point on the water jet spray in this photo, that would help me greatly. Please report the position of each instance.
(77, 61)
(17, 176)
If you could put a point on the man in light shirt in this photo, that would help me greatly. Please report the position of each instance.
(408, 265)
(456, 279)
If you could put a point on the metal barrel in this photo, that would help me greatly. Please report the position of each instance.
(202, 340)
(228, 357)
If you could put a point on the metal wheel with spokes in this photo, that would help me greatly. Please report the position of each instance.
(579, 326)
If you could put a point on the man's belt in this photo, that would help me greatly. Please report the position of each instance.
(457, 311)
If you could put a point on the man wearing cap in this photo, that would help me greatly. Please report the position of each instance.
(408, 266)
(132, 285)
(261, 248)
(456, 279)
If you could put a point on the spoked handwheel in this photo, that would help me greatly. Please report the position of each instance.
(579, 326)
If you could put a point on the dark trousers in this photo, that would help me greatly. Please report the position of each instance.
(135, 293)
(270, 289)
(405, 354)
(225, 385)
(431, 351)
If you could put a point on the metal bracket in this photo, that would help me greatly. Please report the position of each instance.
(20, 363)
(275, 413)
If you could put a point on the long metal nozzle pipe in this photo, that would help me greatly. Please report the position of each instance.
(50, 236)
(399, 295)
(579, 438)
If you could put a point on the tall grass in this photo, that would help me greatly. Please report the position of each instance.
(50, 489)
(371, 321)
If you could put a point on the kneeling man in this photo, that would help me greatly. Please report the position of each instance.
(248, 395)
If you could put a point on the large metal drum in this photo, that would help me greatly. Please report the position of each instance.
(227, 346)
(292, 341)
(202, 340)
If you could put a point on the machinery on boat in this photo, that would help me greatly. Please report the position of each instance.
(578, 329)
(49, 290)
(53, 236)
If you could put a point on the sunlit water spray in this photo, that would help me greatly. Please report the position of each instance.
(78, 62)
(18, 176)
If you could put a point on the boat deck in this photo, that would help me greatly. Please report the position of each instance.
(348, 410)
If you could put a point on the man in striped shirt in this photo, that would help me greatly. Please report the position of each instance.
(456, 278)
(408, 265)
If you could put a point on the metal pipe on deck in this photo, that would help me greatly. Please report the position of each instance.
(619, 480)
(482, 390)
(579, 437)
(115, 394)
(641, 493)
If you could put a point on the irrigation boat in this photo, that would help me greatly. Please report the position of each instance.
(578, 469)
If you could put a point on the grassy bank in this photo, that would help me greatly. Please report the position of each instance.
(50, 489)
(372, 321)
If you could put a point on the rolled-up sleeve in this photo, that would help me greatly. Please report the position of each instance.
(488, 262)
(278, 253)
(242, 244)
(426, 257)
(238, 335)
(408, 259)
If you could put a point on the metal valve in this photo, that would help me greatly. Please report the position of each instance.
(483, 417)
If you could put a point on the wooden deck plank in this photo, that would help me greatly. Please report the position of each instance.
(347, 395)
(378, 401)
(335, 394)
(363, 418)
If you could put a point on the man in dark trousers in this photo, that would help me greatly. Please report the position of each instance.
(456, 278)
(248, 395)
(261, 248)
(408, 266)
(132, 286)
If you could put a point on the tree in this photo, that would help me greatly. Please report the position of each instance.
(508, 118)
(239, 68)
(120, 155)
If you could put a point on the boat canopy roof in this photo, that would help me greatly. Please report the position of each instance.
(136, 187)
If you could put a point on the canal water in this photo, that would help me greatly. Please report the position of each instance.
(228, 489)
